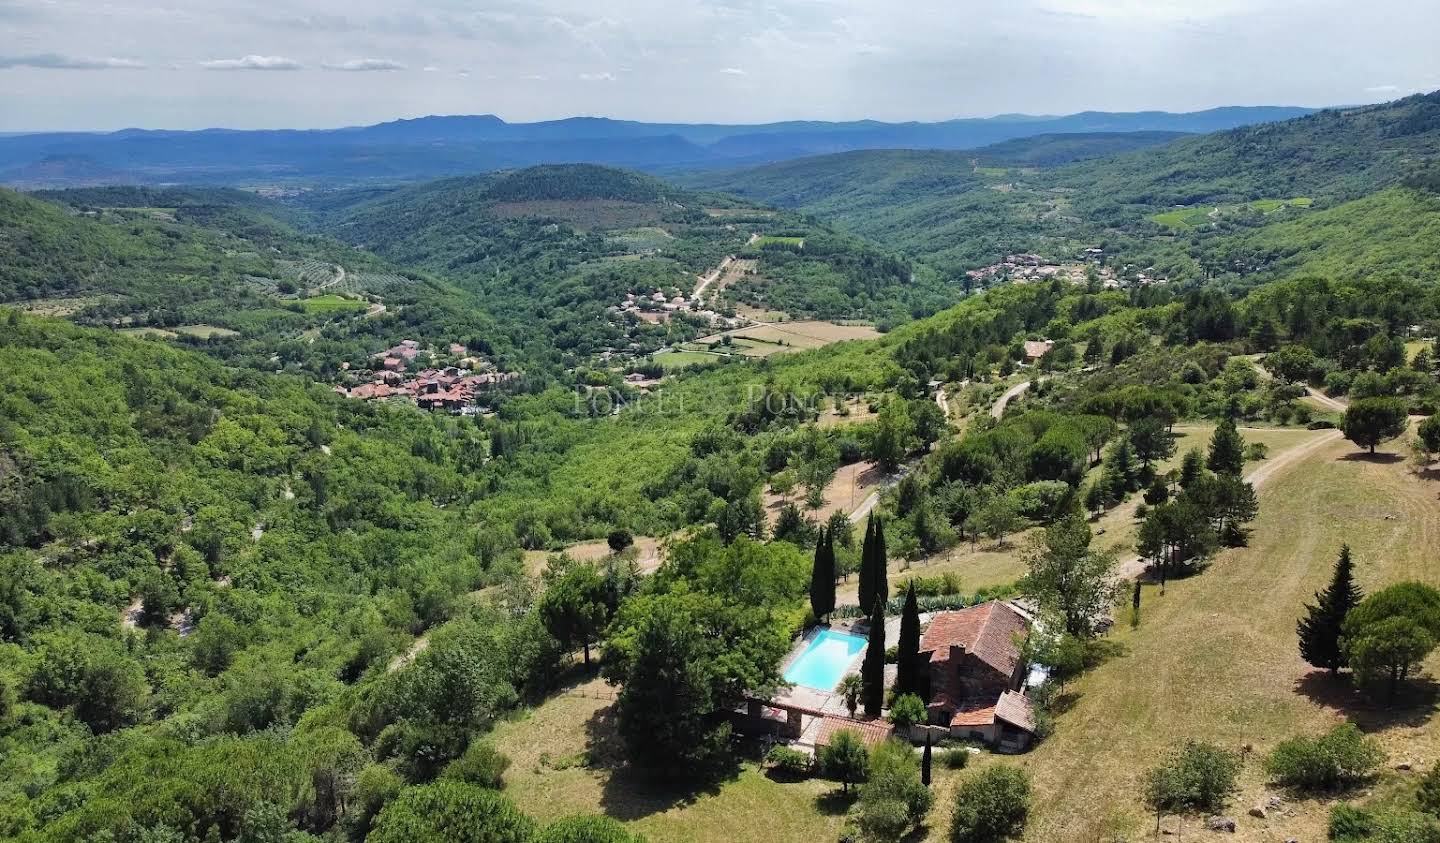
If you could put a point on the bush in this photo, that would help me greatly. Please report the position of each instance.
(1339, 759)
(845, 758)
(1348, 823)
(1197, 777)
(991, 806)
(907, 710)
(1320, 424)
(587, 829)
(482, 764)
(956, 759)
(451, 812)
(893, 800)
(937, 586)
(788, 762)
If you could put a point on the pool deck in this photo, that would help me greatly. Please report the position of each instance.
(828, 701)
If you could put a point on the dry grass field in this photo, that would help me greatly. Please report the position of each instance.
(547, 780)
(1215, 659)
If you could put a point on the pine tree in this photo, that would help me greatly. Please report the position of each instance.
(1227, 449)
(1320, 629)
(822, 576)
(1191, 467)
(907, 674)
(872, 669)
(867, 554)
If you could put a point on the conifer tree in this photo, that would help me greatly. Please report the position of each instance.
(907, 676)
(822, 576)
(866, 575)
(872, 669)
(881, 579)
(925, 763)
(1191, 467)
(1320, 629)
(1227, 449)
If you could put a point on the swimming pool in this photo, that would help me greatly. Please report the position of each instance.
(823, 662)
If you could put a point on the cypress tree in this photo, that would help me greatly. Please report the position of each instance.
(872, 669)
(1227, 449)
(907, 674)
(1320, 629)
(879, 562)
(925, 762)
(822, 576)
(867, 555)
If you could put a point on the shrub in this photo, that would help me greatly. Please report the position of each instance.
(845, 758)
(451, 812)
(956, 759)
(991, 806)
(789, 762)
(893, 800)
(1348, 823)
(907, 710)
(587, 829)
(1197, 777)
(1339, 759)
(482, 764)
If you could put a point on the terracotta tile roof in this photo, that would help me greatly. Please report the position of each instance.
(989, 631)
(1016, 710)
(974, 713)
(870, 732)
(1037, 348)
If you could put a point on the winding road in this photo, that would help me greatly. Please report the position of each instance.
(1010, 395)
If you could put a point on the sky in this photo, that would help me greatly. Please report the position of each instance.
(186, 64)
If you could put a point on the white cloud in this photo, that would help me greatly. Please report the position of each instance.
(597, 77)
(430, 68)
(732, 71)
(1382, 89)
(363, 65)
(252, 63)
(55, 61)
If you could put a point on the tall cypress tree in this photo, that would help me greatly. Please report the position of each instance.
(881, 585)
(822, 576)
(872, 669)
(907, 674)
(925, 762)
(1320, 629)
(867, 555)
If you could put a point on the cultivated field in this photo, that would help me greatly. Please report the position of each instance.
(206, 332)
(332, 304)
(763, 340)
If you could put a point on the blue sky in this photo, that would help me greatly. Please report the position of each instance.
(81, 64)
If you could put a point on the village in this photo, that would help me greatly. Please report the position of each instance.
(451, 388)
(1089, 265)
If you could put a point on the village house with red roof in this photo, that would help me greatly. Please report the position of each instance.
(976, 671)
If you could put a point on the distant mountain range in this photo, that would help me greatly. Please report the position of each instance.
(431, 147)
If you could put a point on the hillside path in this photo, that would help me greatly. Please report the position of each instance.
(1010, 394)
(1134, 565)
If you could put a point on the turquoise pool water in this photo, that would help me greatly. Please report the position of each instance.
(823, 663)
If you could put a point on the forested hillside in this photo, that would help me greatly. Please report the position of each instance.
(957, 213)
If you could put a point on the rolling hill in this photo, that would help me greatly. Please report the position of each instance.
(434, 147)
(957, 210)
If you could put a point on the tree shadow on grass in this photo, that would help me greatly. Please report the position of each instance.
(1414, 706)
(1380, 458)
(632, 793)
(834, 803)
